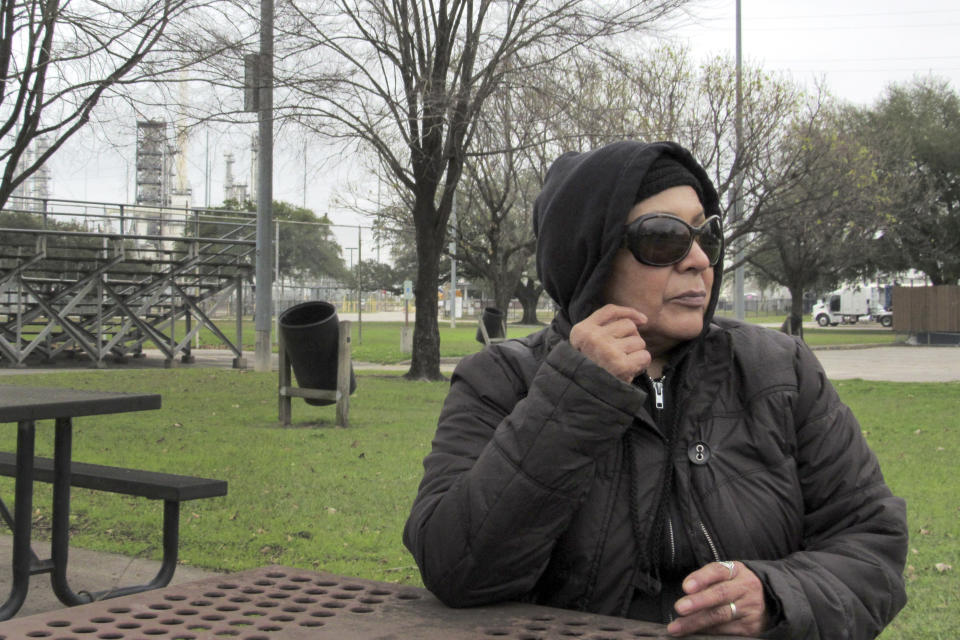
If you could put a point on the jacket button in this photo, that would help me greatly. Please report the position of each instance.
(699, 453)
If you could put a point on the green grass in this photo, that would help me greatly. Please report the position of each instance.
(379, 342)
(310, 495)
(835, 337)
(317, 496)
(915, 431)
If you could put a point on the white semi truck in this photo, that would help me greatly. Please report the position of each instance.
(849, 305)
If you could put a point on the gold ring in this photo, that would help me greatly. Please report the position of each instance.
(733, 611)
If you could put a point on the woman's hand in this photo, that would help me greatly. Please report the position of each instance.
(711, 590)
(610, 337)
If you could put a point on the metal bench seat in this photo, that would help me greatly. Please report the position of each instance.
(171, 488)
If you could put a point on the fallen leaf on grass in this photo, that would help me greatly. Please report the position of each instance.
(924, 532)
(942, 567)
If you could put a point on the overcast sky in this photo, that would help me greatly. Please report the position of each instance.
(857, 46)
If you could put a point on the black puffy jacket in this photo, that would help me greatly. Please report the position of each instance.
(552, 481)
(525, 495)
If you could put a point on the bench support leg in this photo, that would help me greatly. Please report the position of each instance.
(171, 534)
(60, 521)
(60, 532)
(23, 507)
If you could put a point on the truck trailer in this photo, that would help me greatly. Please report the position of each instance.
(849, 305)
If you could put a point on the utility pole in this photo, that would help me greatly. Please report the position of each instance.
(453, 264)
(264, 254)
(359, 287)
(738, 309)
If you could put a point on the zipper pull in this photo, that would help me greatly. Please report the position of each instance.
(658, 392)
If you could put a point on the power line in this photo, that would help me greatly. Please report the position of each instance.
(871, 14)
(900, 59)
(859, 27)
(868, 70)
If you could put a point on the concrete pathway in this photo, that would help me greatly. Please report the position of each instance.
(88, 571)
(899, 363)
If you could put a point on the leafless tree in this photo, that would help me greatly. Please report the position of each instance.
(61, 60)
(664, 95)
(494, 232)
(587, 101)
(410, 79)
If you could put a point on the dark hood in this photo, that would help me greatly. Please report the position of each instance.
(578, 219)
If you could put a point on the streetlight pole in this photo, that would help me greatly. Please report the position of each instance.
(264, 253)
(453, 265)
(738, 308)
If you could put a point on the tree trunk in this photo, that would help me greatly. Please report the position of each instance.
(793, 325)
(529, 294)
(425, 362)
(502, 295)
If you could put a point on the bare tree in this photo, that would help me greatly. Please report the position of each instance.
(663, 95)
(494, 232)
(587, 101)
(409, 79)
(60, 60)
(695, 105)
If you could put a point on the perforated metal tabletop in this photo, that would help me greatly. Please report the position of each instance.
(280, 602)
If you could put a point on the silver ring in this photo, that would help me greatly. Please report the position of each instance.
(729, 566)
(733, 611)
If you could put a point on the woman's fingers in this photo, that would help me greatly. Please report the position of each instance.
(610, 337)
(722, 598)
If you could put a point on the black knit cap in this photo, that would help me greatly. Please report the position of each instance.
(666, 172)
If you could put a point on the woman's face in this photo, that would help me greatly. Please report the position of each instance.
(674, 298)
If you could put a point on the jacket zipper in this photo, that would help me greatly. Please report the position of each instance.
(713, 547)
(659, 404)
(673, 542)
(658, 392)
(673, 558)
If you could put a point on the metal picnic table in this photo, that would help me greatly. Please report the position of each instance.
(25, 406)
(293, 604)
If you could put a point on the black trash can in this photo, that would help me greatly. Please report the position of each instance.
(311, 334)
(493, 320)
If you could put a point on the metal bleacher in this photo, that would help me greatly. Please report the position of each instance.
(100, 281)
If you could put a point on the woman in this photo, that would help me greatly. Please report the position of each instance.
(641, 458)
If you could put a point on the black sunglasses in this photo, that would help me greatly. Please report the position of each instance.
(663, 239)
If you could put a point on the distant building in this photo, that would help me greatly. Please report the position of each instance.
(161, 166)
(233, 190)
(31, 193)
